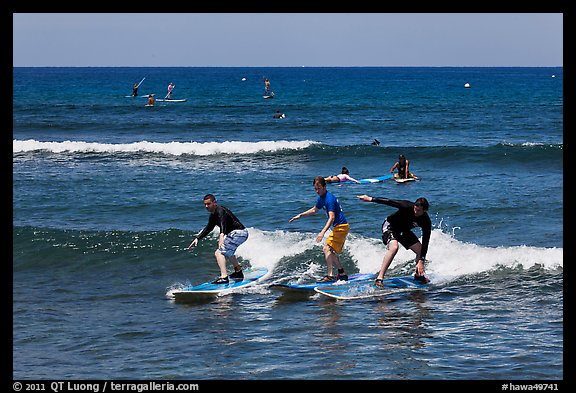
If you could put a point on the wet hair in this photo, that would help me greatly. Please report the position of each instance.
(209, 196)
(401, 157)
(345, 170)
(320, 180)
(423, 203)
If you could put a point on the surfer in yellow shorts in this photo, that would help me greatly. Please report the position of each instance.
(337, 237)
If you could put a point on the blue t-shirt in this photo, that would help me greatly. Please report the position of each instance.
(330, 204)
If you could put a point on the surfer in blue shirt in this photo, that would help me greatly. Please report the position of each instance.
(335, 242)
(232, 235)
(397, 228)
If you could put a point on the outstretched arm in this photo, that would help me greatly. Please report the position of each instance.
(352, 179)
(398, 203)
(305, 213)
(365, 198)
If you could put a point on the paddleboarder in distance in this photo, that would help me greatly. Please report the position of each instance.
(135, 88)
(171, 87)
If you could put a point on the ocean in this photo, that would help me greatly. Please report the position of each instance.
(107, 195)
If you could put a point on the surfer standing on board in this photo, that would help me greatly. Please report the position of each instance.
(337, 237)
(397, 228)
(232, 235)
(171, 87)
(266, 86)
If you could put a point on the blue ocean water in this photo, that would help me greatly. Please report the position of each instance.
(107, 195)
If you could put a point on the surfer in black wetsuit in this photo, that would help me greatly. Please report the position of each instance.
(397, 228)
(135, 90)
(232, 235)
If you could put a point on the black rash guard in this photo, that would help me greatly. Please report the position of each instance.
(224, 218)
(402, 169)
(404, 220)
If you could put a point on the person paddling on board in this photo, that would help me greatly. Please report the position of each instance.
(403, 168)
(341, 177)
(232, 235)
(135, 90)
(397, 228)
(171, 87)
(337, 237)
(151, 100)
(266, 86)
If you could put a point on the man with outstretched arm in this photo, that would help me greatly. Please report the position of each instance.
(397, 228)
(232, 235)
(337, 237)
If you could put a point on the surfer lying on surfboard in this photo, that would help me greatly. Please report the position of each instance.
(343, 176)
(397, 228)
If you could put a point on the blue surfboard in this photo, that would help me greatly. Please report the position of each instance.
(209, 290)
(309, 287)
(367, 289)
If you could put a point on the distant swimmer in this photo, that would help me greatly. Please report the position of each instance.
(279, 115)
(151, 100)
(375, 142)
(403, 168)
(341, 177)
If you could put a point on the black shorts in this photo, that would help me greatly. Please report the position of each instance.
(406, 238)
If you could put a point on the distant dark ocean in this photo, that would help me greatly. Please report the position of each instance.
(107, 195)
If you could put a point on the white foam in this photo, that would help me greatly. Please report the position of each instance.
(169, 148)
(448, 258)
(266, 249)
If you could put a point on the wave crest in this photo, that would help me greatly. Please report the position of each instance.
(168, 148)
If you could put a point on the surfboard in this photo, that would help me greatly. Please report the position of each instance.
(140, 96)
(366, 288)
(309, 287)
(404, 180)
(375, 179)
(407, 180)
(170, 100)
(209, 290)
